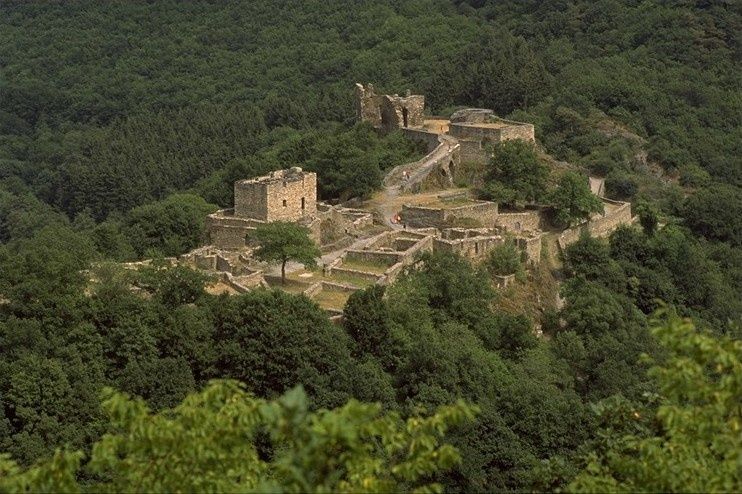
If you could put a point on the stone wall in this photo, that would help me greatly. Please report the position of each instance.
(518, 222)
(495, 131)
(284, 195)
(389, 112)
(475, 248)
(383, 258)
(472, 151)
(483, 212)
(338, 223)
(530, 246)
(519, 130)
(367, 105)
(422, 217)
(398, 112)
(229, 237)
(616, 213)
(430, 139)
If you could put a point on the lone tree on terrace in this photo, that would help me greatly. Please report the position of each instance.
(281, 241)
(573, 200)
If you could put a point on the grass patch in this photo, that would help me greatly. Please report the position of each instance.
(291, 286)
(367, 266)
(348, 278)
(331, 299)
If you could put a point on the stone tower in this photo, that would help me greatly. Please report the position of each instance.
(284, 195)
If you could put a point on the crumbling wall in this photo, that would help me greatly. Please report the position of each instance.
(430, 139)
(518, 222)
(227, 231)
(495, 131)
(229, 237)
(422, 217)
(367, 105)
(475, 248)
(337, 223)
(525, 132)
(483, 212)
(616, 213)
(373, 256)
(530, 246)
(398, 112)
(389, 112)
(472, 151)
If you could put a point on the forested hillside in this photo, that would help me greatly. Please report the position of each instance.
(123, 124)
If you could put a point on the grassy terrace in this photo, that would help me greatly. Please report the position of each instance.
(367, 266)
(331, 299)
(315, 276)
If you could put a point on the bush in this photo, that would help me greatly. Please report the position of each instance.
(694, 176)
(504, 260)
(620, 185)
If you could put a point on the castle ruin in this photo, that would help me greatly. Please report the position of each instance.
(412, 215)
(388, 112)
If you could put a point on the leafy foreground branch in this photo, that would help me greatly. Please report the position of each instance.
(224, 440)
(696, 441)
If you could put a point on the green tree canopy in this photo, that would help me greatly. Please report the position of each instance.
(515, 173)
(572, 199)
(171, 226)
(225, 440)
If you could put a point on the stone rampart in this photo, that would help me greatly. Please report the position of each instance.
(616, 213)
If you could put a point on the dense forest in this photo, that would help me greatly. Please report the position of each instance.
(123, 124)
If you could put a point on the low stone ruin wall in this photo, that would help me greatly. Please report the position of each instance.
(374, 256)
(227, 231)
(484, 212)
(422, 217)
(337, 223)
(617, 213)
(471, 151)
(475, 248)
(518, 222)
(421, 135)
(530, 246)
(244, 282)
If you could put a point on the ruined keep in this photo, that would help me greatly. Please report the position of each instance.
(388, 112)
(283, 195)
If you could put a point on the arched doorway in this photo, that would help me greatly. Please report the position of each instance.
(405, 114)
